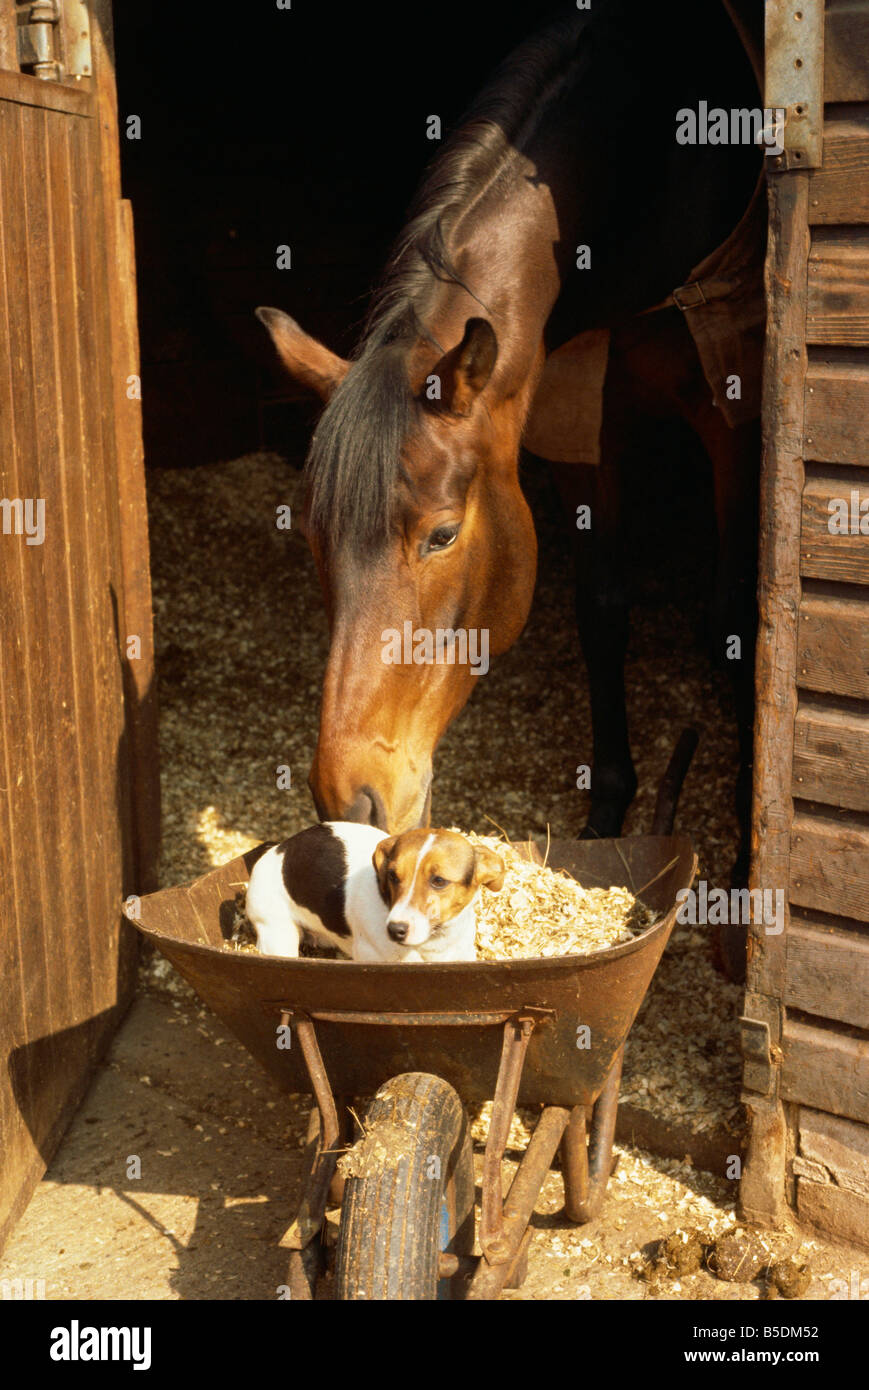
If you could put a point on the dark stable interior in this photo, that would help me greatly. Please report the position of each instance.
(304, 128)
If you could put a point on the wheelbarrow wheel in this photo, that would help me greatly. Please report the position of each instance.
(408, 1197)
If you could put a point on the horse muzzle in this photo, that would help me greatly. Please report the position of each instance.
(405, 806)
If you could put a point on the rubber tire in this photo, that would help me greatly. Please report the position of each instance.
(395, 1218)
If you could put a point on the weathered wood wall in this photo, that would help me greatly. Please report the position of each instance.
(810, 986)
(78, 805)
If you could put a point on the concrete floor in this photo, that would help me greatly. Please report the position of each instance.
(219, 1164)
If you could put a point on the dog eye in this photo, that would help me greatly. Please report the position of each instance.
(441, 537)
(438, 882)
(392, 876)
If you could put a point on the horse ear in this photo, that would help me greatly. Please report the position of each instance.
(464, 370)
(304, 358)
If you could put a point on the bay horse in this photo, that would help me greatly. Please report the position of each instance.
(414, 511)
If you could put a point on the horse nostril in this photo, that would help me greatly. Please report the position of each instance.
(377, 816)
(398, 930)
(361, 812)
(366, 808)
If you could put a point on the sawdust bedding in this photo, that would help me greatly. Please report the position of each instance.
(241, 646)
(540, 912)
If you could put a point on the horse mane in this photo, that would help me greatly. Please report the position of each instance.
(355, 454)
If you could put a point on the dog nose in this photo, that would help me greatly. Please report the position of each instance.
(398, 930)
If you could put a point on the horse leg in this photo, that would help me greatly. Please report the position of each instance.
(735, 457)
(602, 619)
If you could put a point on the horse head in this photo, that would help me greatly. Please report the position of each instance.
(425, 549)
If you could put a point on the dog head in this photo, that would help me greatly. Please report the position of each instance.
(427, 877)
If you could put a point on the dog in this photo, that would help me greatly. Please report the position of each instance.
(376, 897)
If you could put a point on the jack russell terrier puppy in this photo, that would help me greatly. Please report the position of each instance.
(375, 897)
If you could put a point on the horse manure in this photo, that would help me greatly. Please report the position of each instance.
(674, 1256)
(789, 1278)
(739, 1255)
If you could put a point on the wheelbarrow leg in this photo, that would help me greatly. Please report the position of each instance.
(574, 1162)
(587, 1169)
(322, 1154)
(519, 1268)
(504, 1225)
(506, 1263)
(336, 1186)
(305, 1265)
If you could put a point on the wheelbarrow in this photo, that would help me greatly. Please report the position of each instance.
(428, 1041)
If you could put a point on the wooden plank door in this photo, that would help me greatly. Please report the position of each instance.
(807, 1007)
(78, 807)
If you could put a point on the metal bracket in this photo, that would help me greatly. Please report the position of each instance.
(754, 1044)
(456, 1018)
(77, 60)
(794, 81)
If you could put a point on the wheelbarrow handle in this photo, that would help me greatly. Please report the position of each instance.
(671, 782)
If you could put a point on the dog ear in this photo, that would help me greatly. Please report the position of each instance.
(489, 869)
(380, 860)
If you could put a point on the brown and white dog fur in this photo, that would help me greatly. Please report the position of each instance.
(407, 898)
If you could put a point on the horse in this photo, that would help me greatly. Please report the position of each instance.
(413, 507)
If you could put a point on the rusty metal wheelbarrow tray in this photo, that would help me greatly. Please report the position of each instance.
(435, 1018)
(550, 1031)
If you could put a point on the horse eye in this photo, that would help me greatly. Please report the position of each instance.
(441, 538)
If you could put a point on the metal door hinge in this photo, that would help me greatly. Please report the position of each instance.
(54, 39)
(795, 81)
(754, 1044)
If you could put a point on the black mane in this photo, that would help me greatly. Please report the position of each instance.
(355, 455)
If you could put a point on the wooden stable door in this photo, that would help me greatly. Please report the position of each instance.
(806, 1023)
(77, 752)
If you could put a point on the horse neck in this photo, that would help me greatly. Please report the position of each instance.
(575, 179)
(504, 252)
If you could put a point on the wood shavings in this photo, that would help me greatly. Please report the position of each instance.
(235, 704)
(703, 1201)
(521, 1125)
(682, 1059)
(542, 912)
(242, 936)
(383, 1144)
(221, 841)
